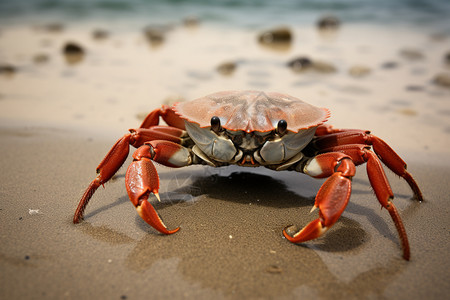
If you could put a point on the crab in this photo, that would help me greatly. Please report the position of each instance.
(252, 129)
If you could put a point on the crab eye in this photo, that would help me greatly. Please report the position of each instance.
(282, 127)
(215, 124)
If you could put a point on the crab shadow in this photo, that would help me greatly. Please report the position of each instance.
(215, 199)
(231, 236)
(231, 239)
(247, 188)
(183, 189)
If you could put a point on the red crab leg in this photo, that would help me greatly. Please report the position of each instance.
(384, 194)
(105, 170)
(115, 158)
(380, 184)
(325, 129)
(387, 155)
(142, 135)
(142, 178)
(332, 197)
(168, 115)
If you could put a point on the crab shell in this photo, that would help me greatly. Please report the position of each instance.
(251, 111)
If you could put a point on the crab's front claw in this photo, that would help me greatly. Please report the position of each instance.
(332, 197)
(142, 180)
(331, 200)
(148, 213)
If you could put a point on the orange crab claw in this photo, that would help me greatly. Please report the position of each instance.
(141, 180)
(331, 199)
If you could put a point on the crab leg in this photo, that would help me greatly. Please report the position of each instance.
(380, 184)
(168, 116)
(387, 155)
(115, 158)
(332, 197)
(142, 135)
(105, 170)
(325, 129)
(142, 178)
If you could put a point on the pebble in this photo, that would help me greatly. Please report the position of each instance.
(7, 69)
(323, 67)
(227, 68)
(408, 112)
(191, 21)
(412, 54)
(277, 35)
(389, 65)
(304, 63)
(54, 27)
(442, 79)
(156, 34)
(100, 34)
(73, 52)
(41, 58)
(447, 58)
(359, 71)
(328, 22)
(274, 269)
(300, 64)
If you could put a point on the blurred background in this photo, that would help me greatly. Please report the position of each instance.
(100, 66)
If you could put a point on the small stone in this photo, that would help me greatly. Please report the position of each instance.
(191, 21)
(156, 34)
(304, 63)
(447, 58)
(414, 88)
(442, 79)
(100, 34)
(359, 71)
(323, 67)
(389, 65)
(227, 68)
(73, 52)
(7, 70)
(328, 22)
(274, 269)
(412, 54)
(408, 112)
(54, 27)
(277, 35)
(41, 58)
(300, 64)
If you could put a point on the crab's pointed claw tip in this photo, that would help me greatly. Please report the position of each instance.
(157, 196)
(313, 209)
(311, 231)
(149, 215)
(173, 230)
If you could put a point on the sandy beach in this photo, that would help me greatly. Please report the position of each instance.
(58, 119)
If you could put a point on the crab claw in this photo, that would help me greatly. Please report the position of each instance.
(142, 180)
(331, 200)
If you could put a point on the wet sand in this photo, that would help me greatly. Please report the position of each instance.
(58, 120)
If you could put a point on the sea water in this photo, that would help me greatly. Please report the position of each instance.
(249, 13)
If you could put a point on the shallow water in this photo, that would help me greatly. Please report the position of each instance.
(255, 13)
